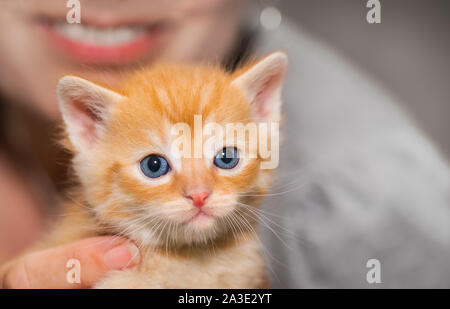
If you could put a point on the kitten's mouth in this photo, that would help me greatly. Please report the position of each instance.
(201, 220)
(199, 215)
(102, 44)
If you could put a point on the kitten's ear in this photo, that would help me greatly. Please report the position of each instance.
(85, 108)
(261, 85)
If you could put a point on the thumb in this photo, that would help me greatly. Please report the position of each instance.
(76, 265)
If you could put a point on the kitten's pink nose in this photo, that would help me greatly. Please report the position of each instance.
(198, 198)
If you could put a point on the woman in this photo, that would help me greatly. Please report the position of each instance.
(354, 171)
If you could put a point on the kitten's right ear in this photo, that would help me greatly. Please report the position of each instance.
(85, 108)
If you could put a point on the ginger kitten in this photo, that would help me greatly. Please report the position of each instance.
(191, 212)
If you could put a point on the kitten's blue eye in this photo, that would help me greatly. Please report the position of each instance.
(154, 166)
(227, 158)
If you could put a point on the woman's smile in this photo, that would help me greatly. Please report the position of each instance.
(113, 44)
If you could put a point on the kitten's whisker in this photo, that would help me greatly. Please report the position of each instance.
(131, 225)
(301, 186)
(258, 211)
(264, 211)
(238, 223)
(167, 236)
(232, 228)
(159, 229)
(139, 246)
(259, 218)
(140, 222)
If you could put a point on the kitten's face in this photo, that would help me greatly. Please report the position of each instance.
(144, 184)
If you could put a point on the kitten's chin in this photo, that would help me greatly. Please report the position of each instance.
(199, 229)
(194, 226)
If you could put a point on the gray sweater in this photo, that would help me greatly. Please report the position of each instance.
(357, 181)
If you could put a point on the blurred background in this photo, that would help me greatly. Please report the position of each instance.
(408, 53)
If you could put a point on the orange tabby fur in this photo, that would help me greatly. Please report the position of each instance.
(112, 196)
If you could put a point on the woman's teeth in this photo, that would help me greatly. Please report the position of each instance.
(100, 36)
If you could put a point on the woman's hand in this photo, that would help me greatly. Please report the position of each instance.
(47, 268)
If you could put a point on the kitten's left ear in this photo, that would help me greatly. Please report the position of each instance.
(261, 85)
(85, 109)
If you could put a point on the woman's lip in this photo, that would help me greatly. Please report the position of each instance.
(93, 53)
